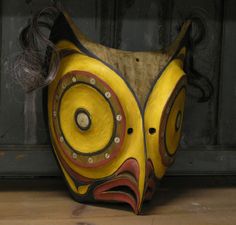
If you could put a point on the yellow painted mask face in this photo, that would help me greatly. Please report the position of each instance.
(114, 132)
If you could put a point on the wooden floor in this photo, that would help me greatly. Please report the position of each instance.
(179, 201)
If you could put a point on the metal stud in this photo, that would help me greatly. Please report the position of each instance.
(117, 140)
(108, 94)
(61, 139)
(90, 160)
(92, 81)
(54, 113)
(118, 117)
(107, 155)
(74, 155)
(74, 79)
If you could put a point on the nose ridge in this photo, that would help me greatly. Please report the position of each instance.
(123, 187)
(151, 181)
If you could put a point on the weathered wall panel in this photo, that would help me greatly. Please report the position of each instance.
(227, 100)
(130, 25)
(21, 118)
(200, 127)
(38, 160)
(152, 25)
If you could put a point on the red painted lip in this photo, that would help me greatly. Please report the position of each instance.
(123, 187)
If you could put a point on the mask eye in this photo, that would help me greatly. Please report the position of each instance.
(164, 116)
(82, 119)
(88, 119)
(171, 124)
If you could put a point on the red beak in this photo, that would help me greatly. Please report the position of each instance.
(123, 187)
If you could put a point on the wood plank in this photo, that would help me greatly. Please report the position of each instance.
(142, 26)
(123, 24)
(0, 52)
(27, 161)
(86, 14)
(38, 160)
(11, 113)
(151, 25)
(21, 117)
(200, 119)
(227, 99)
(205, 160)
(107, 29)
(25, 202)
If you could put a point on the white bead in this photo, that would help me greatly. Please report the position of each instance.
(74, 155)
(82, 120)
(108, 94)
(74, 79)
(92, 81)
(61, 139)
(107, 155)
(118, 117)
(117, 140)
(90, 160)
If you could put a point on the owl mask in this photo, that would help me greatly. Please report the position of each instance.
(115, 117)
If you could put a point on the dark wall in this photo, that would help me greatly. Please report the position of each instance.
(209, 138)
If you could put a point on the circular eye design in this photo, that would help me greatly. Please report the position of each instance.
(82, 119)
(171, 123)
(88, 119)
